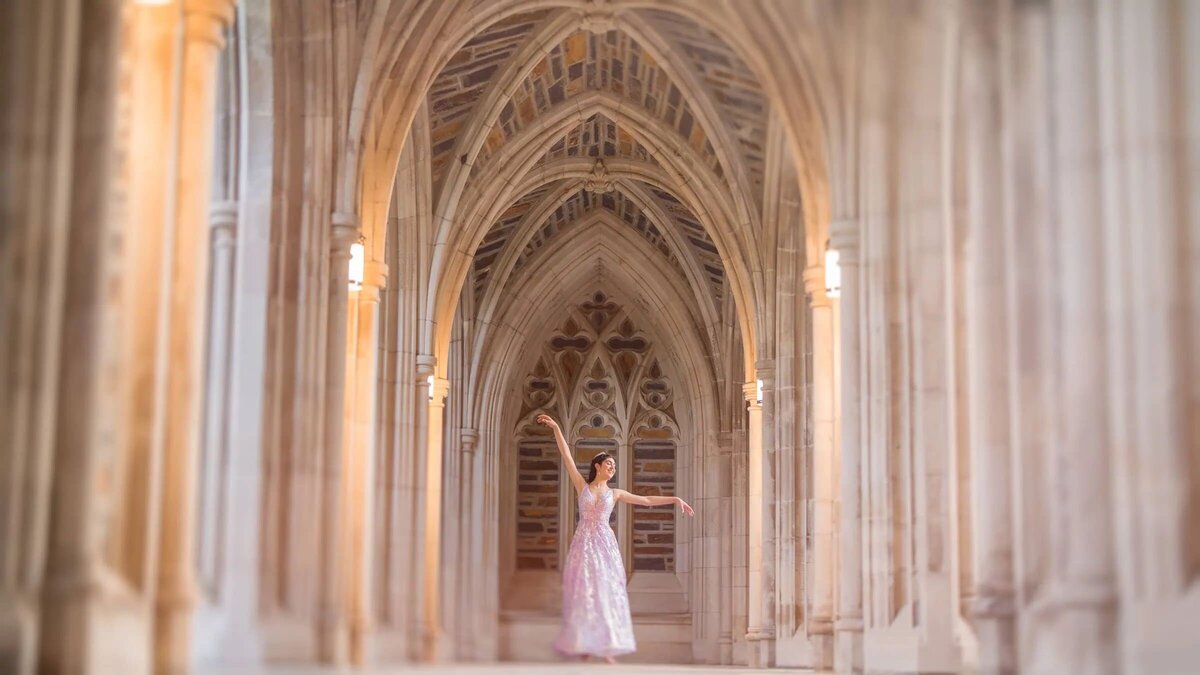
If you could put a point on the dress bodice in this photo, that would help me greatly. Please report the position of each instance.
(595, 509)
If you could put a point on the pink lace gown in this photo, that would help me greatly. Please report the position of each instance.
(596, 617)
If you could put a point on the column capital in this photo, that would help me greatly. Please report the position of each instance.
(814, 285)
(843, 236)
(375, 275)
(438, 391)
(426, 365)
(750, 392)
(765, 369)
(470, 440)
(222, 221)
(344, 231)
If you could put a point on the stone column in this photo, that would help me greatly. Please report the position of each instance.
(360, 478)
(728, 542)
(186, 281)
(1078, 631)
(987, 330)
(848, 626)
(432, 543)
(55, 398)
(223, 226)
(332, 629)
(757, 631)
(824, 471)
(469, 550)
(418, 627)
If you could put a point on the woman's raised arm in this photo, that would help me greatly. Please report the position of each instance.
(639, 500)
(565, 451)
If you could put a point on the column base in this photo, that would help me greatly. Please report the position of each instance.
(996, 637)
(761, 648)
(18, 635)
(1071, 630)
(333, 644)
(432, 645)
(909, 650)
(813, 650)
(173, 636)
(94, 624)
(848, 648)
(227, 638)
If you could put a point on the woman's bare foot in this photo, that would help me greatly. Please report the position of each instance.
(610, 660)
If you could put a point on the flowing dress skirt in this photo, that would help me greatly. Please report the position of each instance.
(596, 618)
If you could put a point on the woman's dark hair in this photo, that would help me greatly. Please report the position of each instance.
(596, 461)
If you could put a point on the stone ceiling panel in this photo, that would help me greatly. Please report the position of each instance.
(583, 203)
(465, 78)
(494, 241)
(612, 62)
(598, 137)
(703, 246)
(732, 85)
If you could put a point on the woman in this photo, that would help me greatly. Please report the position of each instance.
(596, 619)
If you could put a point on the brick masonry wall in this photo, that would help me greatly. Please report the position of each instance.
(654, 527)
(538, 471)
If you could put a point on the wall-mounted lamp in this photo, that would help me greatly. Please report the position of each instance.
(357, 266)
(758, 390)
(833, 273)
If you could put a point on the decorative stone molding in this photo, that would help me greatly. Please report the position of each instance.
(599, 17)
(750, 393)
(222, 220)
(599, 182)
(375, 275)
(469, 439)
(438, 391)
(426, 365)
(344, 232)
(814, 285)
(843, 236)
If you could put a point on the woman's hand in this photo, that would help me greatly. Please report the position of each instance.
(683, 506)
(548, 421)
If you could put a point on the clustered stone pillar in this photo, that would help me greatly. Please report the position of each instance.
(187, 288)
(848, 625)
(332, 630)
(432, 543)
(987, 330)
(223, 226)
(821, 580)
(360, 454)
(758, 576)
(469, 550)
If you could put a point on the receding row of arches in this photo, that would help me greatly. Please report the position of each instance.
(289, 280)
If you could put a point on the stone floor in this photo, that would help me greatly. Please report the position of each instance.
(520, 669)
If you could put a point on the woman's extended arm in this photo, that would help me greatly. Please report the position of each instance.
(630, 498)
(565, 451)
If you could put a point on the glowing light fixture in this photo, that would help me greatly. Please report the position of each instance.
(833, 273)
(357, 266)
(758, 390)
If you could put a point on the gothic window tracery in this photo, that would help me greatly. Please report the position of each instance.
(598, 374)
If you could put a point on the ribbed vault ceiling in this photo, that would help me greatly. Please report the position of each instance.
(676, 75)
